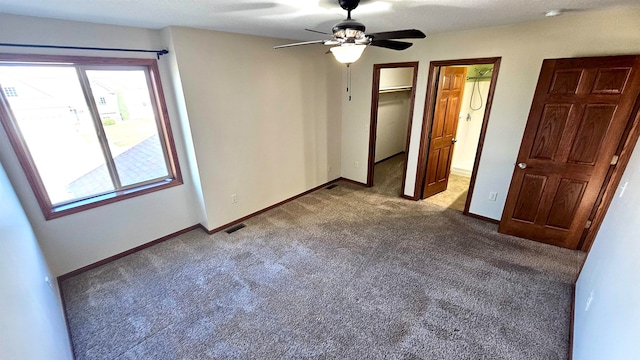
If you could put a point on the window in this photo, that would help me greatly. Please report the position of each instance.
(10, 91)
(87, 131)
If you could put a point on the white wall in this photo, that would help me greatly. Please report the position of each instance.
(607, 314)
(265, 124)
(522, 48)
(468, 132)
(393, 112)
(31, 317)
(393, 121)
(77, 240)
(394, 77)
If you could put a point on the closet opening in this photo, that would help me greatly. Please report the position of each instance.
(392, 103)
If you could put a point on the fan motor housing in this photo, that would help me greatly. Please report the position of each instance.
(349, 28)
(348, 4)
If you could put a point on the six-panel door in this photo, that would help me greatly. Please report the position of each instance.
(580, 110)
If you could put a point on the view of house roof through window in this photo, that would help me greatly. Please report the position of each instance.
(87, 149)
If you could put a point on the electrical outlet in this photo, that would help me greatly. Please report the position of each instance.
(356, 164)
(329, 168)
(493, 195)
(48, 281)
(234, 198)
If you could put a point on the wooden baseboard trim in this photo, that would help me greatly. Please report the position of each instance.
(220, 228)
(353, 182)
(571, 326)
(413, 198)
(389, 157)
(180, 232)
(125, 253)
(73, 273)
(66, 319)
(480, 217)
(204, 228)
(245, 218)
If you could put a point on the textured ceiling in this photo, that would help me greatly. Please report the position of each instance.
(288, 18)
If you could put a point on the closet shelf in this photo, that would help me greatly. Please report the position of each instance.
(394, 89)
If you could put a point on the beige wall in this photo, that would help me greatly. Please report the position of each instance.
(265, 124)
(522, 48)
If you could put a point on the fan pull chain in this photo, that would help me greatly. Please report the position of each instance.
(349, 81)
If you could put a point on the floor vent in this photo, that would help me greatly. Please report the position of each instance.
(331, 186)
(235, 228)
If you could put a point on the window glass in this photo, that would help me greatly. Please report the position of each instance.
(56, 124)
(130, 124)
(87, 132)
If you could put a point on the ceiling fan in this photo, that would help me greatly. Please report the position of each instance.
(349, 38)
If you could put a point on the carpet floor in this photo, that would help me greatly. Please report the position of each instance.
(455, 196)
(342, 273)
(388, 180)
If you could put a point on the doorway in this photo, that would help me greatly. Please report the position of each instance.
(457, 108)
(392, 103)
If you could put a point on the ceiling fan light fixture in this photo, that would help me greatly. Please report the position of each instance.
(348, 53)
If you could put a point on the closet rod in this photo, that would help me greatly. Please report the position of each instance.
(157, 52)
(394, 89)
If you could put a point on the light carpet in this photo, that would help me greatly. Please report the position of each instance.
(388, 180)
(346, 273)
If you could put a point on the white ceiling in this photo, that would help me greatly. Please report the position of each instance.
(288, 18)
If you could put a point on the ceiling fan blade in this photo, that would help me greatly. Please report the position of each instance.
(391, 44)
(398, 34)
(300, 44)
(318, 32)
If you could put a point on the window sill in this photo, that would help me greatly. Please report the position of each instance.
(108, 198)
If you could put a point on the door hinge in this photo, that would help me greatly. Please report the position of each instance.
(614, 160)
(588, 224)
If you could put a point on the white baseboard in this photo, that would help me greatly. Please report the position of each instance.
(460, 172)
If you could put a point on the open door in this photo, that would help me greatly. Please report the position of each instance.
(579, 114)
(459, 188)
(445, 122)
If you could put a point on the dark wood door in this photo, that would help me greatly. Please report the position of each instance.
(580, 110)
(443, 130)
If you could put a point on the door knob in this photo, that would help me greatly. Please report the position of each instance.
(453, 141)
(522, 165)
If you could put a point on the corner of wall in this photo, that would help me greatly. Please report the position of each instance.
(173, 73)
